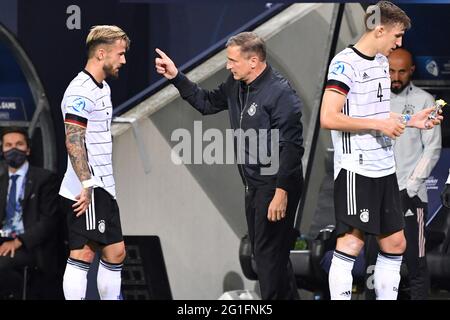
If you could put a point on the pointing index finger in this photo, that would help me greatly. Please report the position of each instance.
(161, 53)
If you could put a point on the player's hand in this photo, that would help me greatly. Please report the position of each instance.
(83, 201)
(420, 119)
(10, 247)
(165, 66)
(277, 207)
(445, 196)
(391, 127)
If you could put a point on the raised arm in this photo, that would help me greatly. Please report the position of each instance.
(165, 66)
(205, 101)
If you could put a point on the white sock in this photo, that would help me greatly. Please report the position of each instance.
(387, 275)
(340, 276)
(75, 279)
(109, 279)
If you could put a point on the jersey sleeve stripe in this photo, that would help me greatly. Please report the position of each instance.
(76, 120)
(337, 85)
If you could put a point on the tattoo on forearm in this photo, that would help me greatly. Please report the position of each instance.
(77, 151)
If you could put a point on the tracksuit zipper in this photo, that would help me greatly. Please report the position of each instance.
(240, 133)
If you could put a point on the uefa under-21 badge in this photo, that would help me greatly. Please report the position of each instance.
(252, 109)
(78, 104)
(338, 68)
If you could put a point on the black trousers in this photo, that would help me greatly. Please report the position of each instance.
(415, 212)
(11, 273)
(272, 242)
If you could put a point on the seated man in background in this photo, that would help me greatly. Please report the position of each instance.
(28, 206)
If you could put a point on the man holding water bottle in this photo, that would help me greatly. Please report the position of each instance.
(416, 153)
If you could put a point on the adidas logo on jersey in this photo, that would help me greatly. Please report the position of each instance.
(365, 76)
(346, 293)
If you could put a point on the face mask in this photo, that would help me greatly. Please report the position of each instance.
(15, 157)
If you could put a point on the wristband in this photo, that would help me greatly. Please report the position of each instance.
(88, 183)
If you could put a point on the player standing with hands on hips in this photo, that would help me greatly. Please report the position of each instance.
(88, 187)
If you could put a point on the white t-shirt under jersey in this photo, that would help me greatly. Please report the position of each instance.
(366, 83)
(87, 103)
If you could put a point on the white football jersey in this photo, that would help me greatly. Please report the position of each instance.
(366, 83)
(87, 103)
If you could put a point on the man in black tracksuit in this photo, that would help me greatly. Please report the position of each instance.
(263, 108)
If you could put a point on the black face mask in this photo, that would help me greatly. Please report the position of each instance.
(15, 157)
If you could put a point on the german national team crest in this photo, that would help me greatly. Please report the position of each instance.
(101, 226)
(252, 109)
(364, 216)
(408, 109)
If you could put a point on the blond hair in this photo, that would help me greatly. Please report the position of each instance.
(104, 35)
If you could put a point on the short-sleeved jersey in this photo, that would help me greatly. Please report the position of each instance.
(366, 83)
(87, 103)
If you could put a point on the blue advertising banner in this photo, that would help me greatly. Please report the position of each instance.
(435, 184)
(12, 109)
(16, 100)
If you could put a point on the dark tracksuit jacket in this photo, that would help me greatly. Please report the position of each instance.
(269, 102)
(277, 107)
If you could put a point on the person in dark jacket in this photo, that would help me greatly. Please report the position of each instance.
(28, 212)
(263, 107)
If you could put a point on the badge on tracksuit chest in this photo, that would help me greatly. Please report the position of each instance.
(252, 109)
(254, 116)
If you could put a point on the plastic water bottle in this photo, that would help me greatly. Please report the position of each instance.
(404, 118)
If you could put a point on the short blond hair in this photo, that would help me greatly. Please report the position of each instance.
(104, 35)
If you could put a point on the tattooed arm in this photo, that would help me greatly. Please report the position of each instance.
(77, 153)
